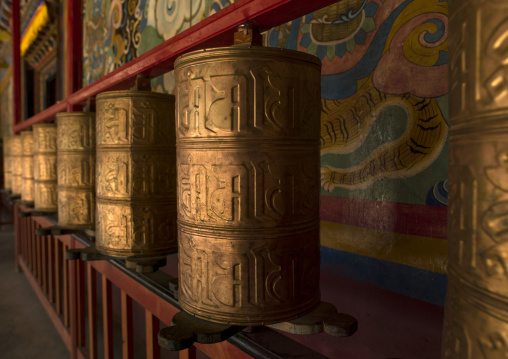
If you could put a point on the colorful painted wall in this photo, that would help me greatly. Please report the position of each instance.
(384, 128)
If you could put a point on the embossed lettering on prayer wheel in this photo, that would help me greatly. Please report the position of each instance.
(7, 162)
(27, 184)
(248, 122)
(45, 178)
(16, 164)
(76, 169)
(135, 174)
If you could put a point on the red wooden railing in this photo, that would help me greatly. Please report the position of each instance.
(78, 297)
(68, 292)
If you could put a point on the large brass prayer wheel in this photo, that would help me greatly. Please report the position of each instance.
(135, 174)
(45, 178)
(76, 169)
(7, 162)
(16, 164)
(248, 122)
(27, 183)
(476, 310)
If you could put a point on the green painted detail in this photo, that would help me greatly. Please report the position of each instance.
(330, 52)
(369, 24)
(312, 48)
(350, 45)
(149, 39)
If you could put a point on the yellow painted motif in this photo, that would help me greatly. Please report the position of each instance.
(38, 21)
(416, 251)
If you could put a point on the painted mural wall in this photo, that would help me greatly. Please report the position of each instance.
(384, 122)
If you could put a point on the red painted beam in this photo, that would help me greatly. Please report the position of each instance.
(16, 64)
(216, 30)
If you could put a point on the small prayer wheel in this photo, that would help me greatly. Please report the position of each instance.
(135, 174)
(44, 137)
(27, 183)
(7, 163)
(248, 180)
(76, 169)
(16, 164)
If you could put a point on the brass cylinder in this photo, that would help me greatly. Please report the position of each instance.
(76, 169)
(476, 309)
(248, 184)
(16, 164)
(27, 183)
(45, 178)
(135, 174)
(7, 163)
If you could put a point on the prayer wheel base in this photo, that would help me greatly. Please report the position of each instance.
(131, 252)
(57, 231)
(186, 329)
(143, 265)
(275, 315)
(323, 319)
(29, 204)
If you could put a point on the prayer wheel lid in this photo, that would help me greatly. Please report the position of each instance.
(133, 93)
(234, 52)
(38, 125)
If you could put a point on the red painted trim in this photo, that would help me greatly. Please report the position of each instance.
(216, 30)
(413, 219)
(16, 64)
(73, 47)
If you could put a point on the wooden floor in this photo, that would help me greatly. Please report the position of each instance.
(25, 329)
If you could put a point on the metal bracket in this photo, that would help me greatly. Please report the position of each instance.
(247, 35)
(173, 287)
(324, 318)
(187, 330)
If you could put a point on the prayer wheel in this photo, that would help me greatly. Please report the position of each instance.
(248, 180)
(16, 164)
(135, 174)
(45, 178)
(76, 169)
(7, 163)
(27, 183)
(476, 309)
